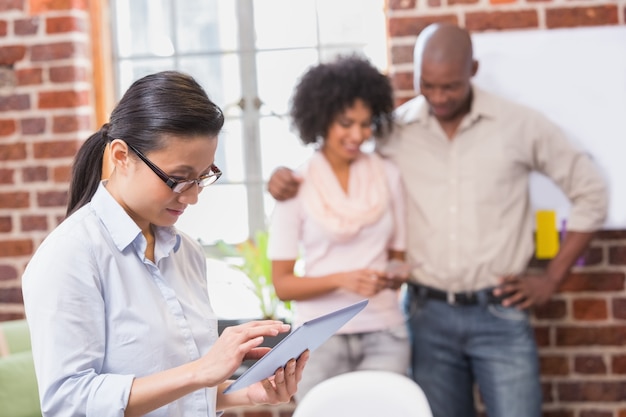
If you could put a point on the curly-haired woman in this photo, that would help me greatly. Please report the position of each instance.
(347, 222)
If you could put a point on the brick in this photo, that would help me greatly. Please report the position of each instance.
(52, 199)
(14, 151)
(14, 102)
(33, 125)
(32, 223)
(11, 295)
(63, 99)
(55, 149)
(6, 5)
(453, 2)
(6, 224)
(542, 335)
(56, 51)
(619, 308)
(401, 4)
(593, 256)
(595, 413)
(4, 28)
(412, 26)
(25, 27)
(502, 1)
(7, 272)
(581, 16)
(402, 81)
(64, 24)
(7, 176)
(5, 316)
(552, 310)
(558, 413)
(11, 248)
(617, 255)
(42, 6)
(546, 391)
(596, 391)
(7, 127)
(618, 364)
(590, 309)
(35, 174)
(553, 365)
(590, 365)
(11, 54)
(64, 74)
(401, 54)
(591, 336)
(599, 281)
(62, 174)
(73, 123)
(15, 199)
(501, 20)
(613, 234)
(29, 76)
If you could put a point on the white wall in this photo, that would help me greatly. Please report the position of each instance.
(577, 77)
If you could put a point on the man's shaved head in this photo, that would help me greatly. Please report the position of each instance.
(439, 43)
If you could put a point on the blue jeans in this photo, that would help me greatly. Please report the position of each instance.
(455, 346)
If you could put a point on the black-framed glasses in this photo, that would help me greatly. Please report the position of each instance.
(180, 186)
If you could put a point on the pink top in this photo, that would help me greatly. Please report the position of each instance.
(294, 233)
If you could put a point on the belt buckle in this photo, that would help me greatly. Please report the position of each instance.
(451, 298)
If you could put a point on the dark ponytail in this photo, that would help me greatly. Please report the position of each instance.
(86, 171)
(155, 106)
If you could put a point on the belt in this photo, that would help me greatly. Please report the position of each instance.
(467, 298)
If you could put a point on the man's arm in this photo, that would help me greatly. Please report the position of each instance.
(579, 178)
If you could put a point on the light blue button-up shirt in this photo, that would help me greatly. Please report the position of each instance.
(101, 314)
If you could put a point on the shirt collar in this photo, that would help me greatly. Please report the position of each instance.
(122, 228)
(416, 110)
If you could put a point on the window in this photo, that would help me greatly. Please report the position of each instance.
(248, 55)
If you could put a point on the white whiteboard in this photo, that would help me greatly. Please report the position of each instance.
(577, 77)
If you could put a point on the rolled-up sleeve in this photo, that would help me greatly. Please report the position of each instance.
(576, 174)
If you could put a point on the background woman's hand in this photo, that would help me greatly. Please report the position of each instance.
(236, 344)
(365, 282)
(280, 387)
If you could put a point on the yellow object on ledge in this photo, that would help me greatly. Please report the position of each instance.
(546, 235)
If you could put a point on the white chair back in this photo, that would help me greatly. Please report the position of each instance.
(365, 394)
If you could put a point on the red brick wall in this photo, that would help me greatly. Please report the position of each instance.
(582, 331)
(46, 110)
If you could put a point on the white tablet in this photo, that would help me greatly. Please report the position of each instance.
(309, 336)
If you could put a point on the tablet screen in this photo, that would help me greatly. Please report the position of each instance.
(309, 336)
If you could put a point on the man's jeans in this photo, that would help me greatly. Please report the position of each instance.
(454, 346)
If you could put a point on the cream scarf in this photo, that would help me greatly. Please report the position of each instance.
(344, 214)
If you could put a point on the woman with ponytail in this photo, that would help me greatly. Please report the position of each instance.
(116, 297)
